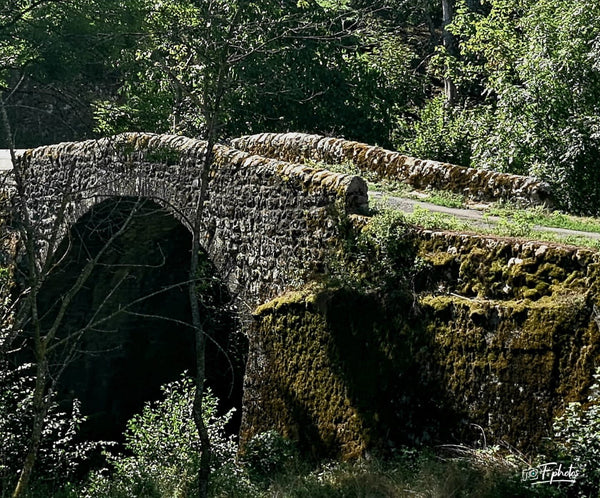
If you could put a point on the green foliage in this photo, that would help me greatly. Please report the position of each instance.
(386, 89)
(381, 253)
(387, 234)
(531, 69)
(577, 433)
(517, 224)
(442, 134)
(430, 219)
(403, 14)
(164, 451)
(262, 67)
(60, 454)
(269, 453)
(54, 60)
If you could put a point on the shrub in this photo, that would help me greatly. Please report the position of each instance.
(269, 453)
(164, 451)
(441, 134)
(577, 433)
(60, 455)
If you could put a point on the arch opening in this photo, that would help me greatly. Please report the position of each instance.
(135, 315)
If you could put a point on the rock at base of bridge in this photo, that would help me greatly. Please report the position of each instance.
(333, 370)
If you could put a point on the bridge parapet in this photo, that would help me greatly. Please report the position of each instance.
(476, 184)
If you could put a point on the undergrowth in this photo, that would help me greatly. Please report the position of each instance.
(162, 458)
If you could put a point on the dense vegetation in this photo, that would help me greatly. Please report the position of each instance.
(509, 85)
(160, 458)
(524, 73)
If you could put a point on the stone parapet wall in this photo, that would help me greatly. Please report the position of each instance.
(475, 184)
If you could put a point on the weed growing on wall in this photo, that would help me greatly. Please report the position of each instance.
(380, 254)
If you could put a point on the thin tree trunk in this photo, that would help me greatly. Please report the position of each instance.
(200, 336)
(448, 41)
(197, 322)
(39, 408)
(40, 411)
(42, 395)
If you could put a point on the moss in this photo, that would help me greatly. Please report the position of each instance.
(301, 298)
(340, 373)
(508, 364)
(503, 269)
(304, 397)
(163, 155)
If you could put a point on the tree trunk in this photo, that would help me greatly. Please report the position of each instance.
(40, 410)
(448, 41)
(200, 377)
(200, 333)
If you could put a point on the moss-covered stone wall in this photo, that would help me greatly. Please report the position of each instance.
(499, 332)
(514, 326)
(339, 372)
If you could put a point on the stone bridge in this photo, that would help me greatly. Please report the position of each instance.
(499, 332)
(266, 224)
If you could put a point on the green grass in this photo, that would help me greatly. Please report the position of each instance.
(432, 220)
(513, 221)
(446, 198)
(413, 473)
(543, 217)
(437, 197)
(515, 227)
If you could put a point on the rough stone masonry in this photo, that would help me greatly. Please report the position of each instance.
(475, 184)
(265, 222)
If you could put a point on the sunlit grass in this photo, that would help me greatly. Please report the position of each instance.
(544, 217)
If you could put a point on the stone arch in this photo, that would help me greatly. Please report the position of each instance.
(141, 279)
(265, 223)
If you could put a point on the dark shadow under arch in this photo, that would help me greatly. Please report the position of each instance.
(122, 361)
